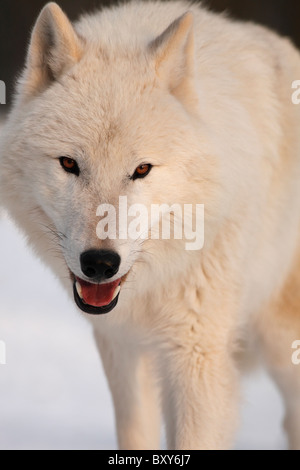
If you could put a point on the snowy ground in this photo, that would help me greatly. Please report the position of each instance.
(53, 393)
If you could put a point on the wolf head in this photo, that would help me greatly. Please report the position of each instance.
(97, 118)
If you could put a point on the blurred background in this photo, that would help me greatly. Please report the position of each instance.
(53, 393)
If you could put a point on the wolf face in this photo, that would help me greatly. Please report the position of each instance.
(92, 123)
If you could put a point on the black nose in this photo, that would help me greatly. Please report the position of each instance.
(100, 264)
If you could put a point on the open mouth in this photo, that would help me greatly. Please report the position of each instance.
(96, 299)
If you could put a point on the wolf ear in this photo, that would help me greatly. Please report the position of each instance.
(173, 53)
(54, 47)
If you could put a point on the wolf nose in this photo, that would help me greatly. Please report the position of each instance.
(100, 264)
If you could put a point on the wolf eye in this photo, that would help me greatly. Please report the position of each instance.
(69, 165)
(142, 171)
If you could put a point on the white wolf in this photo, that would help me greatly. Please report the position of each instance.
(165, 102)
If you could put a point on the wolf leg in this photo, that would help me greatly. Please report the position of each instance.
(135, 396)
(200, 398)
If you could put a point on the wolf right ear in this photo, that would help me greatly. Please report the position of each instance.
(54, 47)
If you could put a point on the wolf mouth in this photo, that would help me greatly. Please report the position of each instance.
(96, 299)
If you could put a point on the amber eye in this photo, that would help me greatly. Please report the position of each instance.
(69, 165)
(142, 171)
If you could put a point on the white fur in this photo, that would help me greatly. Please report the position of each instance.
(208, 104)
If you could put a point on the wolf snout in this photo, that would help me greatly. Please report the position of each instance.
(99, 265)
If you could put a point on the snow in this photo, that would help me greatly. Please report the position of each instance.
(53, 392)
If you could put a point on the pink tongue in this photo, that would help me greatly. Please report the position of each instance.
(98, 295)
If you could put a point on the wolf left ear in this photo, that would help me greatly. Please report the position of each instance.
(173, 53)
(54, 47)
